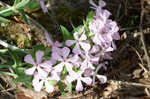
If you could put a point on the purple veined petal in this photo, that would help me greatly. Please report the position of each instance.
(49, 87)
(74, 59)
(46, 64)
(95, 49)
(28, 59)
(76, 49)
(84, 65)
(76, 35)
(86, 46)
(65, 52)
(116, 36)
(87, 72)
(101, 3)
(68, 67)
(79, 86)
(57, 44)
(56, 56)
(83, 37)
(30, 71)
(70, 42)
(87, 80)
(102, 78)
(42, 73)
(38, 85)
(53, 61)
(106, 14)
(59, 67)
(56, 50)
(39, 55)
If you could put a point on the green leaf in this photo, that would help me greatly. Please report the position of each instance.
(23, 14)
(69, 87)
(16, 2)
(52, 82)
(61, 88)
(28, 85)
(4, 66)
(15, 58)
(6, 12)
(32, 5)
(66, 34)
(21, 4)
(1, 87)
(22, 78)
(9, 74)
(4, 19)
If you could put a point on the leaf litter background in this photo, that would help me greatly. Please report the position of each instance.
(128, 73)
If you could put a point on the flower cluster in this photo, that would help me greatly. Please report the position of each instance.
(80, 58)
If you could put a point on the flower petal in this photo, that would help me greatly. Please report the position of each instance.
(87, 80)
(56, 56)
(59, 67)
(42, 73)
(39, 55)
(30, 71)
(69, 79)
(76, 35)
(49, 87)
(102, 78)
(28, 59)
(79, 86)
(68, 67)
(46, 64)
(55, 75)
(37, 85)
(83, 37)
(85, 46)
(70, 42)
(65, 52)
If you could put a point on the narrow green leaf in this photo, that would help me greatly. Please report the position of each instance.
(1, 87)
(21, 4)
(4, 19)
(28, 85)
(23, 14)
(4, 66)
(23, 78)
(9, 74)
(69, 87)
(16, 2)
(61, 88)
(66, 34)
(6, 12)
(15, 58)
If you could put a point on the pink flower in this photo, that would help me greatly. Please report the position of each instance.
(39, 81)
(64, 60)
(79, 41)
(101, 78)
(89, 59)
(37, 65)
(78, 76)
